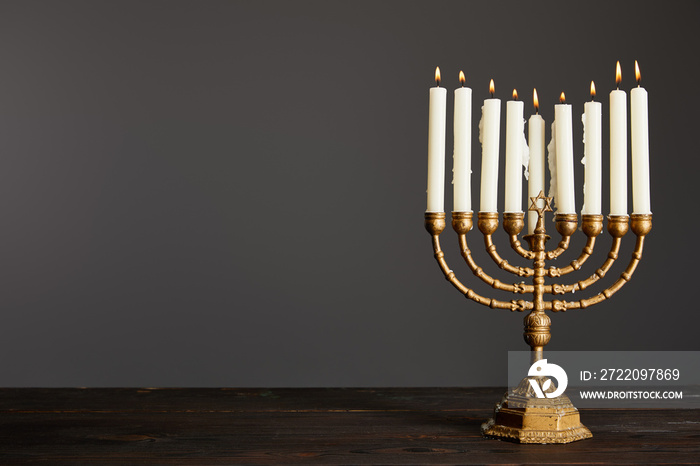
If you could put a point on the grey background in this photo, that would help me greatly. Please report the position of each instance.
(229, 193)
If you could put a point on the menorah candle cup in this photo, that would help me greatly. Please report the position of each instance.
(487, 222)
(641, 224)
(462, 222)
(592, 224)
(618, 225)
(566, 224)
(513, 222)
(435, 222)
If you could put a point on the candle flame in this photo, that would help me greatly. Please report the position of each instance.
(637, 74)
(437, 75)
(562, 98)
(515, 94)
(492, 88)
(618, 74)
(462, 79)
(535, 100)
(592, 90)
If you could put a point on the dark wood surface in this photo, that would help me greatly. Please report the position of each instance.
(312, 426)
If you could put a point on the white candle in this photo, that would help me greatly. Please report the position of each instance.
(535, 183)
(552, 161)
(564, 158)
(641, 202)
(592, 158)
(463, 148)
(436, 146)
(514, 154)
(618, 149)
(489, 135)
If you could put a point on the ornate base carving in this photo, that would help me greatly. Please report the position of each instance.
(522, 417)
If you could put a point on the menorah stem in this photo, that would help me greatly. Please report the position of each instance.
(520, 415)
(537, 323)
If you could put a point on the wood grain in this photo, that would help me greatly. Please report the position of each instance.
(312, 426)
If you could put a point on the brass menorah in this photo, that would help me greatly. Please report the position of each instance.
(520, 416)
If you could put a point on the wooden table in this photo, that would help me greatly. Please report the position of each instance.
(309, 426)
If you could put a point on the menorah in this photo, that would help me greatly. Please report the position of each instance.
(520, 416)
(535, 411)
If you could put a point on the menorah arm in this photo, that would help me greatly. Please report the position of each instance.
(462, 223)
(566, 226)
(592, 226)
(435, 224)
(518, 247)
(488, 224)
(513, 223)
(641, 226)
(486, 278)
(617, 227)
(576, 263)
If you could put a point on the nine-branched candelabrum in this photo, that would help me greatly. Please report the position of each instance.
(557, 422)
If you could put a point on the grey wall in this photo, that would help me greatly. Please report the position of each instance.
(229, 193)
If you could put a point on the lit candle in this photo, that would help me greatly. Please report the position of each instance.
(641, 202)
(463, 148)
(436, 146)
(592, 158)
(618, 148)
(514, 154)
(489, 135)
(564, 157)
(535, 140)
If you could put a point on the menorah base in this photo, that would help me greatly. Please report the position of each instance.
(523, 418)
